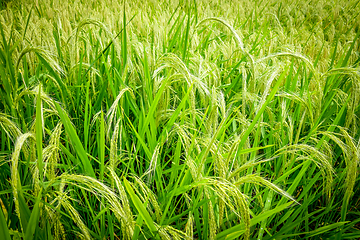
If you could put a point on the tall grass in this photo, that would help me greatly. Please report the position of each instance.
(179, 120)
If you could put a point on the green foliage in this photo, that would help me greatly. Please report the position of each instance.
(179, 119)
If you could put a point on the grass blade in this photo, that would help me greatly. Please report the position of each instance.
(141, 208)
(74, 138)
(39, 129)
(34, 218)
(4, 230)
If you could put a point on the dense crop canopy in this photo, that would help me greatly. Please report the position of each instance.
(188, 119)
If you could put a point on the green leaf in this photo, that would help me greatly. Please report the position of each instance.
(39, 132)
(33, 221)
(102, 145)
(25, 212)
(74, 138)
(141, 208)
(4, 231)
(236, 231)
(325, 229)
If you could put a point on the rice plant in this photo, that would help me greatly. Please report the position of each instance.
(179, 119)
